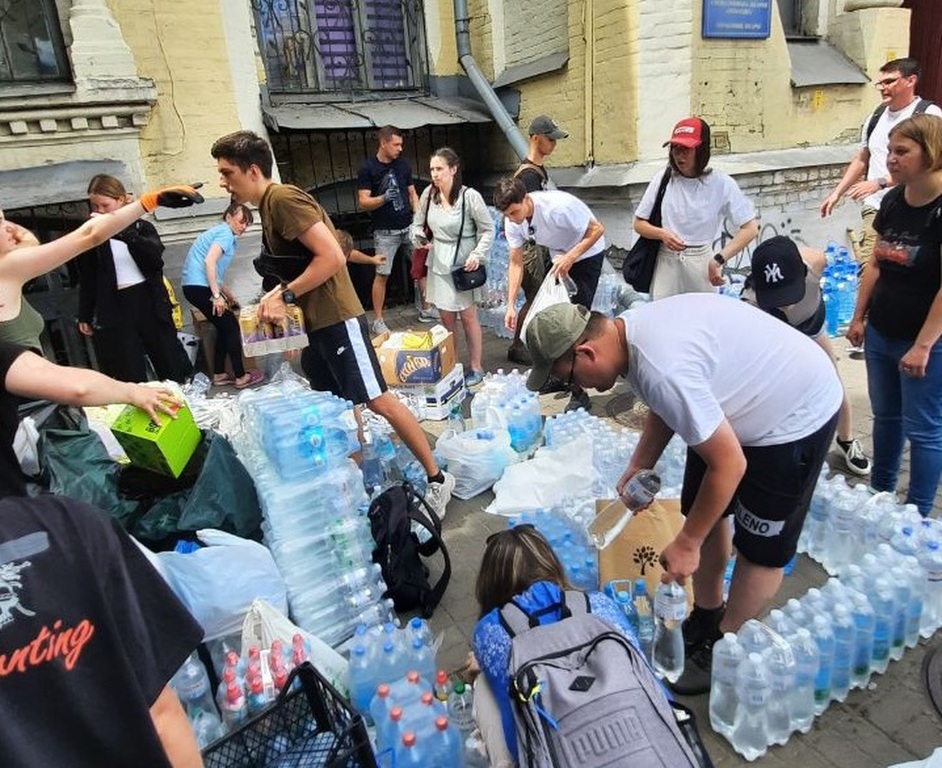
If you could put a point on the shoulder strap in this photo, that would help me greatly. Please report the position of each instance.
(655, 217)
(433, 525)
(460, 230)
(516, 620)
(875, 117)
(527, 165)
(922, 105)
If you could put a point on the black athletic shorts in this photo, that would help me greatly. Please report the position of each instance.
(340, 359)
(770, 504)
(585, 274)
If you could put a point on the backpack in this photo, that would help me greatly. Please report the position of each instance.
(584, 696)
(921, 106)
(399, 551)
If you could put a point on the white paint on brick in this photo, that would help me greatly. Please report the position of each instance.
(533, 30)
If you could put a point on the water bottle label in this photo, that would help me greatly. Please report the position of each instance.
(935, 576)
(670, 608)
(756, 698)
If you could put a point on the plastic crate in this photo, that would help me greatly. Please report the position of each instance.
(311, 727)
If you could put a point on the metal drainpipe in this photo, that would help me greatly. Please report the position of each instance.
(463, 38)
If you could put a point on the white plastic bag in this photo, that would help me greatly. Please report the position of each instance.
(264, 623)
(24, 446)
(553, 291)
(545, 480)
(477, 458)
(219, 582)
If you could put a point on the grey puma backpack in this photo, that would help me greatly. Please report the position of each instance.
(584, 696)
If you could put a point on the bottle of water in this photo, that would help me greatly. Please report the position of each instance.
(930, 559)
(442, 688)
(627, 605)
(611, 521)
(881, 598)
(801, 700)
(780, 664)
(670, 610)
(446, 745)
(460, 709)
(410, 752)
(724, 702)
(371, 467)
(917, 599)
(845, 640)
(864, 622)
(779, 623)
(750, 733)
(840, 535)
(824, 637)
(362, 678)
(392, 184)
(645, 618)
(191, 682)
(753, 637)
(456, 419)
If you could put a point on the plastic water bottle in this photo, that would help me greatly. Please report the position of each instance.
(780, 664)
(840, 535)
(845, 639)
(456, 419)
(670, 610)
(930, 558)
(917, 599)
(779, 623)
(410, 752)
(627, 605)
(446, 745)
(361, 672)
(371, 467)
(824, 637)
(191, 682)
(645, 618)
(442, 689)
(724, 702)
(422, 658)
(864, 622)
(750, 733)
(801, 700)
(460, 709)
(881, 598)
(753, 637)
(639, 492)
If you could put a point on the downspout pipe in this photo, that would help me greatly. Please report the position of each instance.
(503, 119)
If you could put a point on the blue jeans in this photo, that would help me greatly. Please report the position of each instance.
(904, 408)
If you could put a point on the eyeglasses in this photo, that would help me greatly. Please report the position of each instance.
(886, 82)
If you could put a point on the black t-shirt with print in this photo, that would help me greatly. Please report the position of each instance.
(90, 634)
(377, 177)
(908, 251)
(12, 479)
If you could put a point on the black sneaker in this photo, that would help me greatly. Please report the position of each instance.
(579, 399)
(854, 458)
(698, 670)
(700, 626)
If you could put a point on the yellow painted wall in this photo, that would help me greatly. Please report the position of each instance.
(179, 44)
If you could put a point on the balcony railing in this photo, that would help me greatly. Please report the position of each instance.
(341, 46)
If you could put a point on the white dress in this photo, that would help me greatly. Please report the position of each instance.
(446, 252)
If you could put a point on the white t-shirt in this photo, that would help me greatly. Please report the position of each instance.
(695, 209)
(696, 358)
(878, 145)
(126, 271)
(559, 222)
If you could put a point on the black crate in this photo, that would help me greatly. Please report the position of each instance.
(311, 727)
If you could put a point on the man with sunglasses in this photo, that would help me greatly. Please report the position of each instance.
(756, 403)
(866, 178)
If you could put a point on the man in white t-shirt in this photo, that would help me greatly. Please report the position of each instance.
(866, 178)
(564, 225)
(756, 402)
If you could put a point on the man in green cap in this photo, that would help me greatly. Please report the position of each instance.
(757, 405)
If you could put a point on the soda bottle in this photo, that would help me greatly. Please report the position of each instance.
(670, 610)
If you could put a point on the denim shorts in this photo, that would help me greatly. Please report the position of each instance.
(387, 243)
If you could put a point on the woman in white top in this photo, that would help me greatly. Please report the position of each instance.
(444, 205)
(696, 202)
(123, 303)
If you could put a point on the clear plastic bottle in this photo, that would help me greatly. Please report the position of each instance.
(801, 700)
(824, 637)
(750, 733)
(611, 521)
(780, 667)
(235, 709)
(845, 639)
(645, 618)
(442, 686)
(362, 677)
(930, 558)
(864, 623)
(627, 605)
(840, 533)
(670, 610)
(881, 598)
(456, 420)
(191, 682)
(724, 702)
(446, 745)
(460, 709)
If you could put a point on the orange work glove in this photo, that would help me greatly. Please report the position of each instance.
(180, 196)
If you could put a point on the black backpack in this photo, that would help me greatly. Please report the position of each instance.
(921, 106)
(399, 551)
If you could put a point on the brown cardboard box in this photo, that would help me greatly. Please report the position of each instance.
(634, 554)
(410, 358)
(207, 336)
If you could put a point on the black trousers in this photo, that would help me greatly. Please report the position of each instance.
(228, 335)
(146, 331)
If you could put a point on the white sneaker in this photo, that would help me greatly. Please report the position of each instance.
(379, 326)
(429, 315)
(437, 495)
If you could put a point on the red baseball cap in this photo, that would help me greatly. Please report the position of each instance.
(687, 133)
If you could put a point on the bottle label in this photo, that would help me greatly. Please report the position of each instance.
(670, 607)
(756, 698)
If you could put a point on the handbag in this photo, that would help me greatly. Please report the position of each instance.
(466, 280)
(638, 266)
(418, 268)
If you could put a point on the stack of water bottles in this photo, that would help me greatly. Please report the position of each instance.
(493, 306)
(296, 444)
(504, 402)
(419, 718)
(564, 527)
(773, 679)
(635, 603)
(386, 459)
(839, 288)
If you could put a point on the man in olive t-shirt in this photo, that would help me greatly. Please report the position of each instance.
(339, 357)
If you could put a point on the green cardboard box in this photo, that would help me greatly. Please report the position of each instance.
(166, 447)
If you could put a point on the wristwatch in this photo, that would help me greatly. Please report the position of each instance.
(287, 295)
(217, 296)
(882, 183)
(719, 259)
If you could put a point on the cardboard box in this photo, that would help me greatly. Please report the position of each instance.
(634, 554)
(441, 397)
(416, 357)
(206, 333)
(260, 338)
(166, 447)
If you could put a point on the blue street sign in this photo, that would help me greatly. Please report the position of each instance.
(749, 19)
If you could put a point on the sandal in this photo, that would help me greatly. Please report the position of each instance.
(223, 381)
(255, 377)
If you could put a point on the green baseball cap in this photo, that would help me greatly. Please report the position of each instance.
(550, 334)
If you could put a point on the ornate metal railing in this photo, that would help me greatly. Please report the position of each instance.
(341, 46)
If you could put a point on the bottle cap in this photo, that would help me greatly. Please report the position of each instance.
(442, 677)
(382, 690)
(441, 723)
(459, 688)
(395, 713)
(408, 739)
